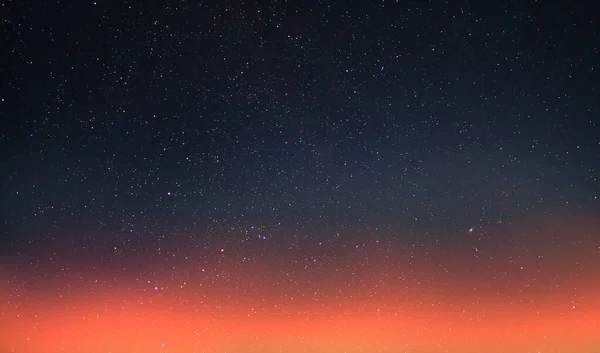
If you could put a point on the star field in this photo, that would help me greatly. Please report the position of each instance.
(280, 176)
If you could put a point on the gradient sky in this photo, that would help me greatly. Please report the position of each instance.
(299, 176)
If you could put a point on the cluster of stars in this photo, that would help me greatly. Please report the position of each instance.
(278, 176)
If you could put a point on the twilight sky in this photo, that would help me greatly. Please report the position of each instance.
(299, 176)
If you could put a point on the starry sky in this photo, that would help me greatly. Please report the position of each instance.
(299, 176)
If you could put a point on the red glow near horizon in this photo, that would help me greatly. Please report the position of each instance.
(539, 294)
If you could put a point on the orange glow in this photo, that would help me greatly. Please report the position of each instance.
(537, 297)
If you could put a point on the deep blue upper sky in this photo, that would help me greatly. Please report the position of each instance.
(411, 116)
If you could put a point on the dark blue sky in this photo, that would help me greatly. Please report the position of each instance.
(411, 117)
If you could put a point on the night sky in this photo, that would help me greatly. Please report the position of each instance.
(299, 176)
